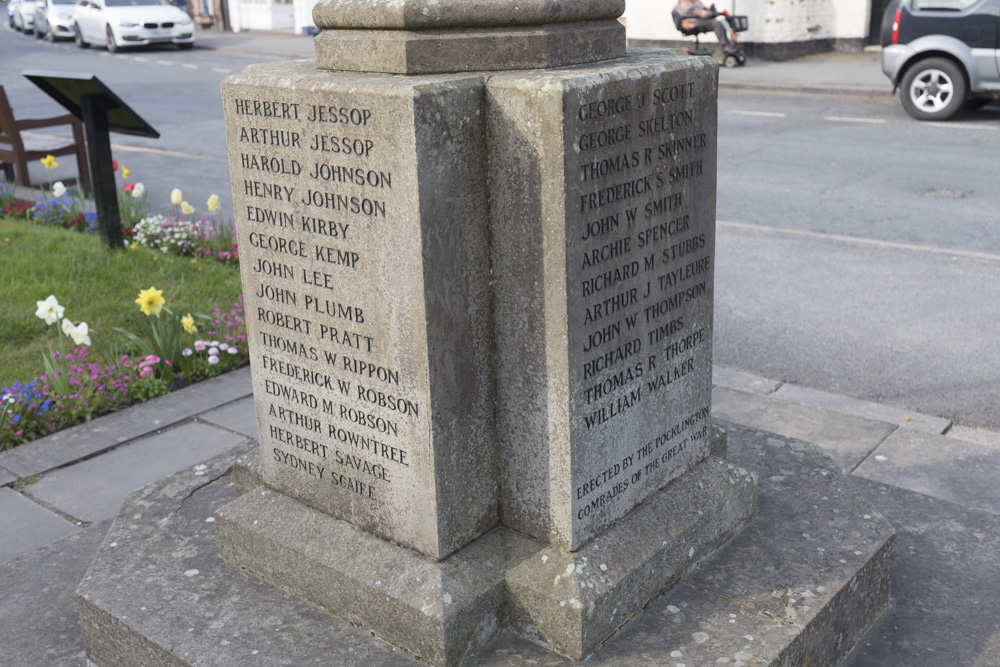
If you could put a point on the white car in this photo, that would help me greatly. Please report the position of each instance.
(23, 15)
(120, 23)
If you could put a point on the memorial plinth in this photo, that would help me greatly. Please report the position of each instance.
(479, 308)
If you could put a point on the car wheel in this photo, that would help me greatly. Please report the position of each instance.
(110, 40)
(933, 89)
(78, 37)
(38, 33)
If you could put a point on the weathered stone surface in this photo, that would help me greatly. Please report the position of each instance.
(945, 591)
(943, 467)
(26, 525)
(141, 602)
(575, 601)
(94, 489)
(110, 431)
(238, 416)
(852, 406)
(41, 627)
(733, 378)
(603, 221)
(443, 611)
(6, 477)
(469, 50)
(424, 14)
(362, 215)
(845, 438)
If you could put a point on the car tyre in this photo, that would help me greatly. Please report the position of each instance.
(110, 40)
(78, 37)
(50, 35)
(933, 89)
(38, 33)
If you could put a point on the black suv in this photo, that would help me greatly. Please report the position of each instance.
(943, 54)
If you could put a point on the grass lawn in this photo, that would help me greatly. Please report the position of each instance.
(95, 285)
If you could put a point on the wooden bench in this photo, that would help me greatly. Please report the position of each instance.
(18, 148)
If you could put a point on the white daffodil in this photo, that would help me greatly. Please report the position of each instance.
(58, 189)
(67, 326)
(79, 334)
(176, 197)
(138, 190)
(49, 310)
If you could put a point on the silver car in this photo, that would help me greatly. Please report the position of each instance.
(23, 15)
(942, 54)
(54, 19)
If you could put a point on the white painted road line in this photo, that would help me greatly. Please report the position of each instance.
(220, 70)
(765, 114)
(851, 119)
(167, 63)
(964, 126)
(140, 59)
(159, 151)
(186, 66)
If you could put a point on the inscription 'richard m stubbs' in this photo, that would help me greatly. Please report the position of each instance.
(638, 258)
(336, 415)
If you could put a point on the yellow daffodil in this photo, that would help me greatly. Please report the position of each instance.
(176, 197)
(125, 172)
(213, 203)
(151, 301)
(49, 162)
(133, 245)
(186, 208)
(188, 323)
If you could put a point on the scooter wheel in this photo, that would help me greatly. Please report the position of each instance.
(731, 61)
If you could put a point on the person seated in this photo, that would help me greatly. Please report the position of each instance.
(696, 15)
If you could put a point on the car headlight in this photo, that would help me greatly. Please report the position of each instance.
(127, 24)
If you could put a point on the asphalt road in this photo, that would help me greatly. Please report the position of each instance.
(858, 250)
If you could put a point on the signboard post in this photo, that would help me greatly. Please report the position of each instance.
(102, 112)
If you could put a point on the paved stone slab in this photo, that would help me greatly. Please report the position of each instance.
(935, 465)
(867, 409)
(945, 590)
(6, 478)
(732, 378)
(94, 489)
(80, 442)
(26, 525)
(238, 416)
(844, 438)
(41, 625)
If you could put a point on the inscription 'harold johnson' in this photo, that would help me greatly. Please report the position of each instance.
(640, 254)
(333, 412)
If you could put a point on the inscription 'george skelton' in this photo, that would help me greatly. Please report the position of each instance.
(335, 412)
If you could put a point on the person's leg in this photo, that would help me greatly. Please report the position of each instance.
(720, 32)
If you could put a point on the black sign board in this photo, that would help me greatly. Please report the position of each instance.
(87, 98)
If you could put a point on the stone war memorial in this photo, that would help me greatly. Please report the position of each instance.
(477, 249)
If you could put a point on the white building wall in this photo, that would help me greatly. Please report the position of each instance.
(771, 21)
